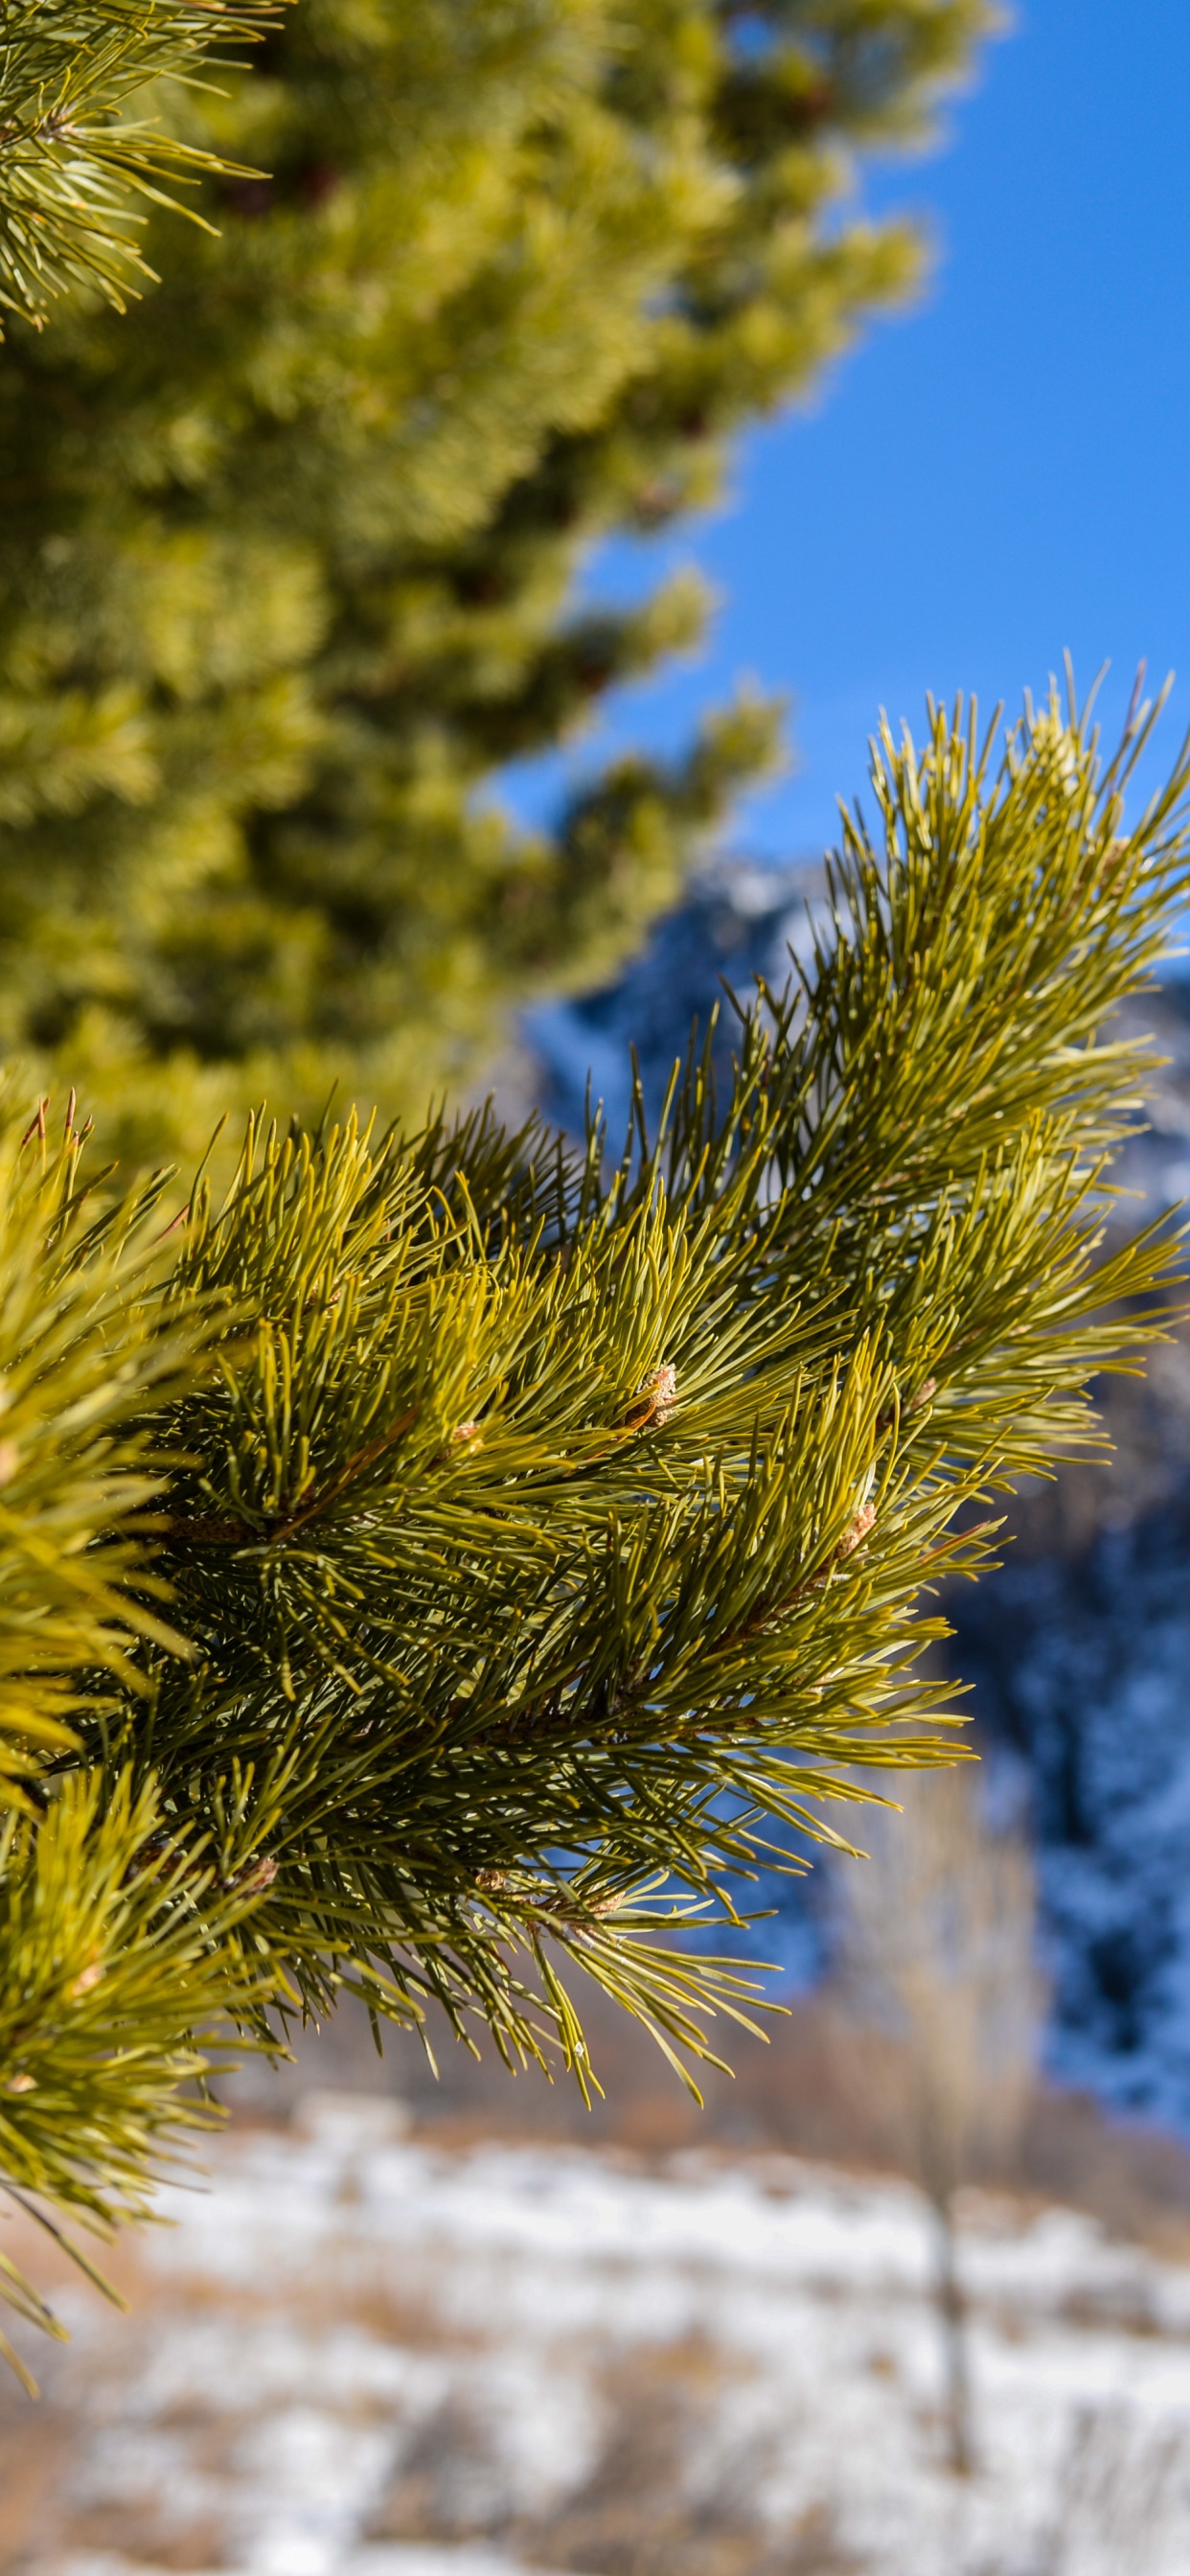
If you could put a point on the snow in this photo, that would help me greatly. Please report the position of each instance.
(346, 2304)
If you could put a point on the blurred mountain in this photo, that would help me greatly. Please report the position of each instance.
(740, 922)
(1079, 1656)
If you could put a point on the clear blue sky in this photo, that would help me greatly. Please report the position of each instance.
(998, 475)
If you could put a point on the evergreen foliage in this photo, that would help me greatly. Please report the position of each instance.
(77, 169)
(287, 563)
(547, 1540)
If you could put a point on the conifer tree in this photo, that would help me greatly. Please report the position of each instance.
(288, 549)
(442, 1563)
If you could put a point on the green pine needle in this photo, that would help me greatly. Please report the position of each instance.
(76, 168)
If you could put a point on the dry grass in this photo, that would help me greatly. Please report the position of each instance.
(638, 2511)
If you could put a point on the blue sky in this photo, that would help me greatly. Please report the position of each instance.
(997, 476)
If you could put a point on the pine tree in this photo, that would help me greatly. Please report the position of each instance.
(77, 167)
(288, 550)
(444, 1566)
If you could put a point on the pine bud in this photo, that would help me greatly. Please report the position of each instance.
(258, 1874)
(665, 1392)
(857, 1531)
(657, 1400)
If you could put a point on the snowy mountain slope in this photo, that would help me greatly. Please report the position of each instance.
(1085, 1668)
(738, 923)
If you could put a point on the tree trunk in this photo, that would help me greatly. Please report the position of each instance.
(952, 2313)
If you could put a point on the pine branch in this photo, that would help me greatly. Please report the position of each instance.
(553, 1539)
(493, 1602)
(75, 166)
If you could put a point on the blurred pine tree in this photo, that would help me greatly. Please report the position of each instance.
(287, 550)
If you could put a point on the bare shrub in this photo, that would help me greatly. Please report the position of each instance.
(647, 2506)
(1120, 2484)
(939, 2003)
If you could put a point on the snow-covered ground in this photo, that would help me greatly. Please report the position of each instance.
(361, 2354)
